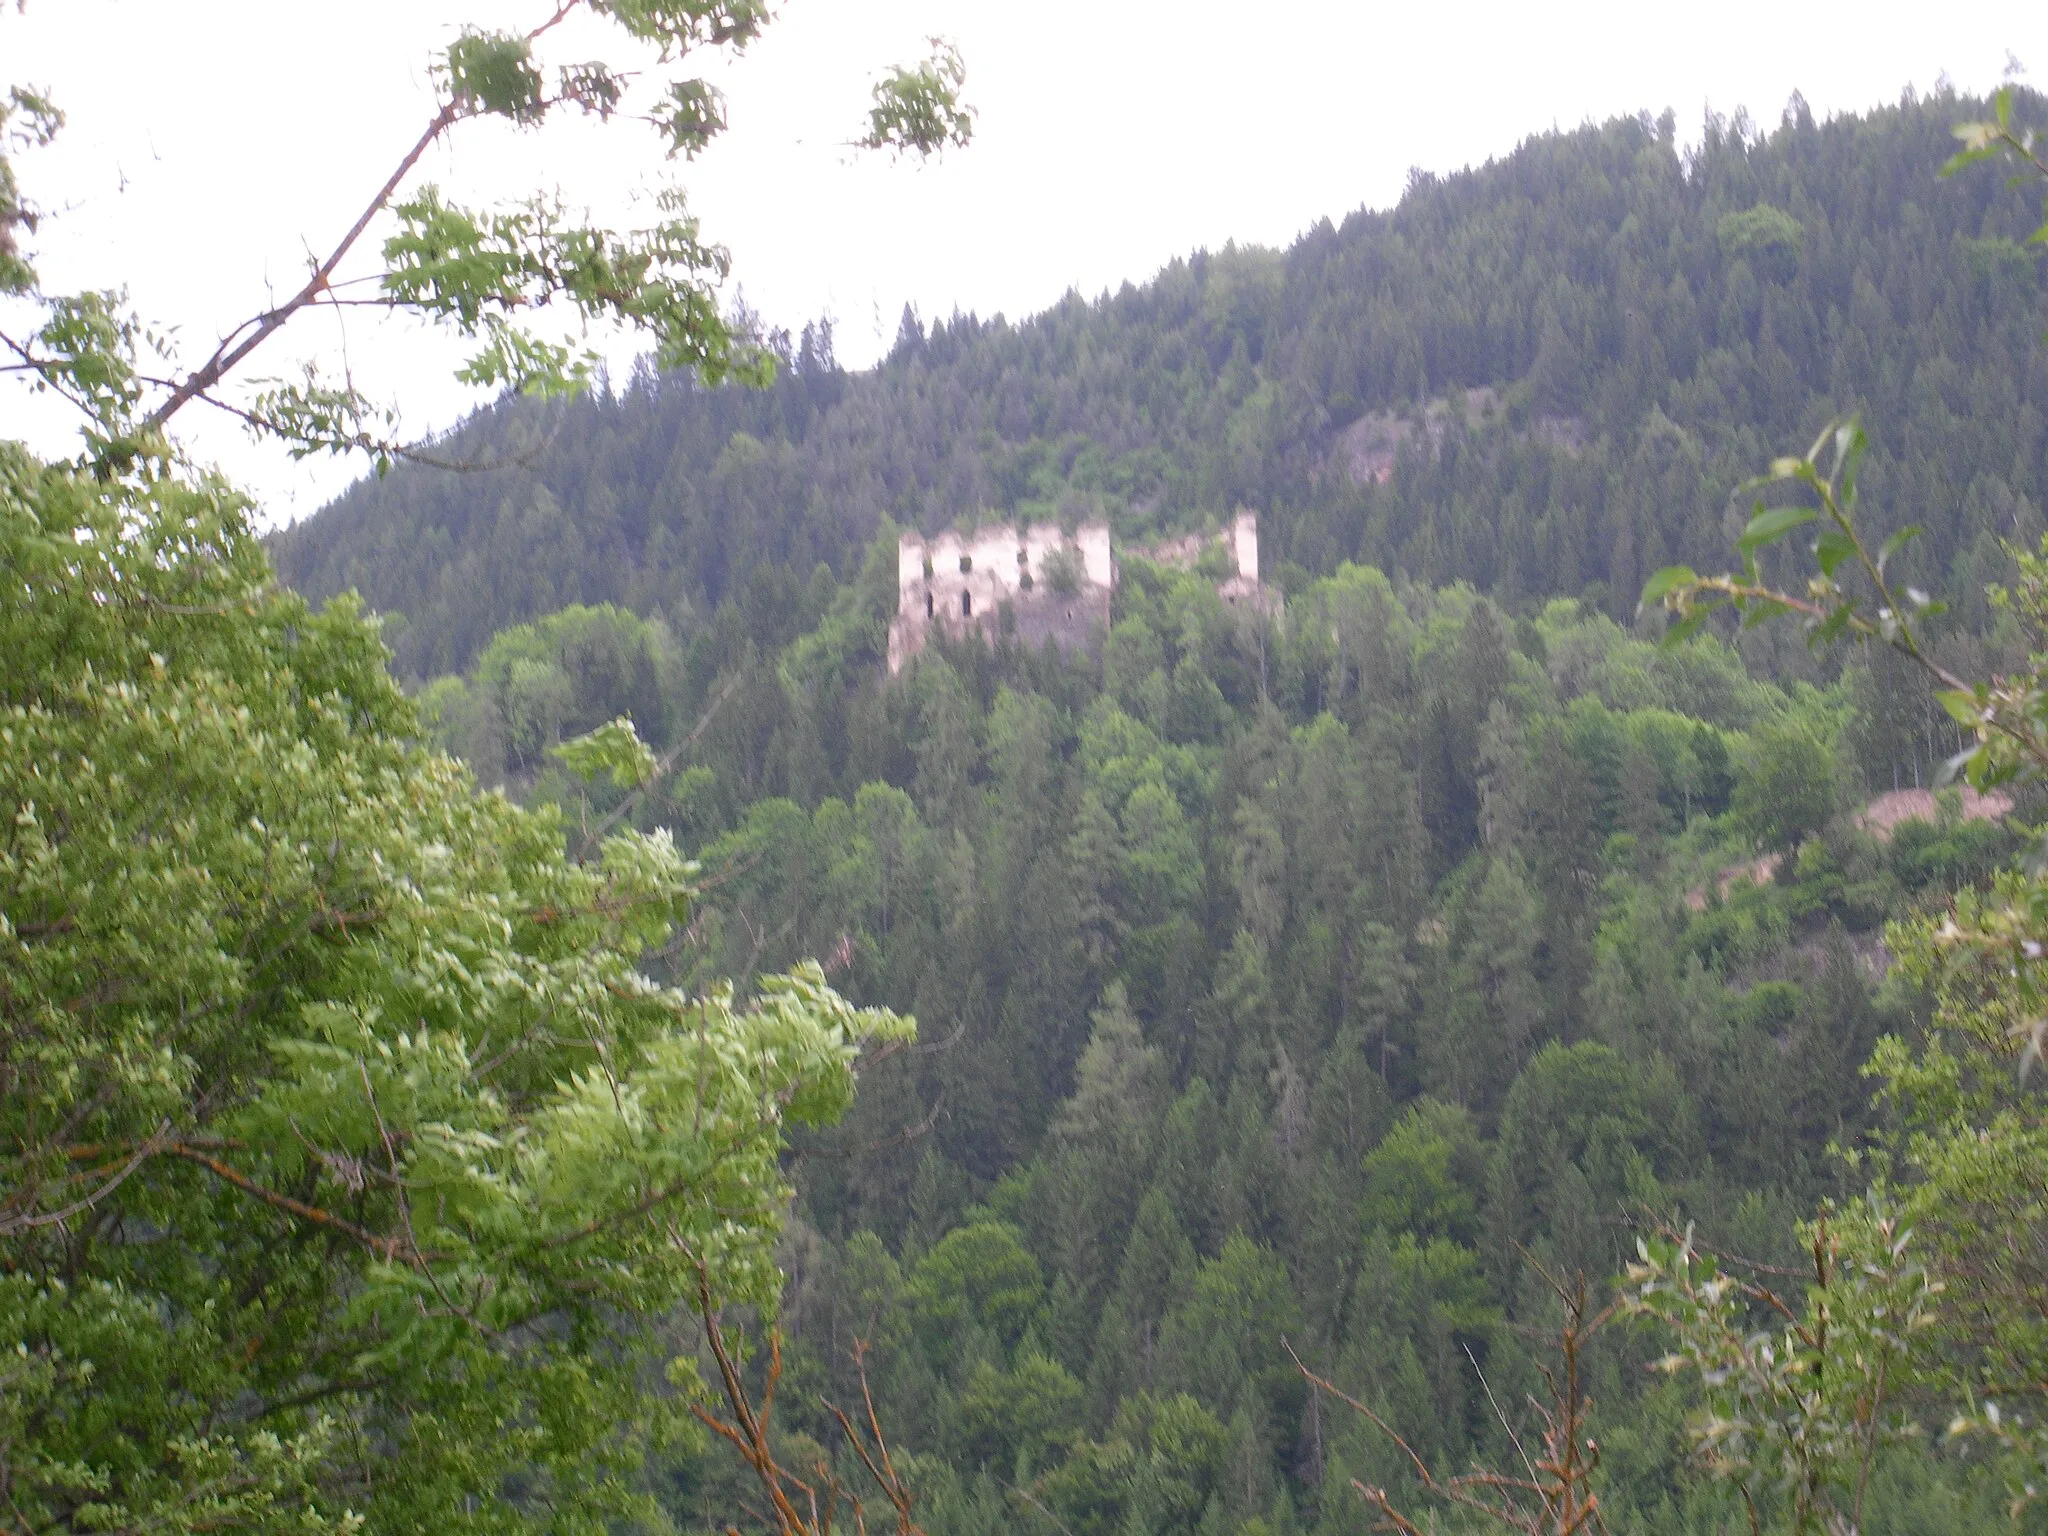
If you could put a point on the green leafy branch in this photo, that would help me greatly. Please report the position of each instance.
(28, 120)
(1797, 1408)
(920, 108)
(2007, 717)
(1828, 471)
(479, 273)
(2000, 138)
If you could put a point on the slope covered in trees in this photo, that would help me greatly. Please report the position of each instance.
(1299, 982)
(1275, 982)
(1543, 376)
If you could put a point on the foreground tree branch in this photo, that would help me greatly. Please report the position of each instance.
(486, 275)
(1556, 1497)
(796, 1506)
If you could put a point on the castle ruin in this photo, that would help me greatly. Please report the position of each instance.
(1039, 583)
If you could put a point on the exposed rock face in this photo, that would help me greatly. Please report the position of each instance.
(1040, 582)
(1368, 449)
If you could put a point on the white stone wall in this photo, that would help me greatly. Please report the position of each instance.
(1096, 563)
(931, 584)
(1244, 543)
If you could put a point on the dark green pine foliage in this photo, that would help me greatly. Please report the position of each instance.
(1226, 1039)
(1289, 981)
(1542, 376)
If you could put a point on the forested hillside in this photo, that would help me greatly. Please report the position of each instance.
(1296, 980)
(1643, 327)
(1273, 981)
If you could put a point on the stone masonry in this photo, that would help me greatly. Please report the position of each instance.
(1038, 583)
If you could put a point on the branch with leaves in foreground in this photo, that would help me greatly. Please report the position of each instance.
(1554, 1496)
(484, 274)
(1801, 1394)
(1853, 594)
(1799, 1403)
(351, 1164)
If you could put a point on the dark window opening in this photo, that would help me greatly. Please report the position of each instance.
(966, 606)
(929, 606)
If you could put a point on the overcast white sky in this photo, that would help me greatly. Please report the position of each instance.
(212, 143)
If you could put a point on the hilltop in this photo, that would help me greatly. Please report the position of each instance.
(1543, 376)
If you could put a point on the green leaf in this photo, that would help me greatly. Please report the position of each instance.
(593, 87)
(1757, 610)
(1963, 763)
(614, 748)
(1852, 443)
(1832, 548)
(1686, 627)
(920, 108)
(691, 117)
(1963, 706)
(493, 74)
(1771, 526)
(1979, 141)
(1831, 628)
(1895, 543)
(1666, 581)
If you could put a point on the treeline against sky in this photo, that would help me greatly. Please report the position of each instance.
(1642, 326)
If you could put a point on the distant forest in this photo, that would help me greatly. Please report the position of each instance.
(1291, 981)
(1639, 327)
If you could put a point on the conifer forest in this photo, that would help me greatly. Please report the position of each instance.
(519, 1019)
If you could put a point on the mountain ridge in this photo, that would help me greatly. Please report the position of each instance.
(1685, 316)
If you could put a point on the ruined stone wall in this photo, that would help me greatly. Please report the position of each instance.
(994, 581)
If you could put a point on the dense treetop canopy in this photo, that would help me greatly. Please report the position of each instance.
(1298, 986)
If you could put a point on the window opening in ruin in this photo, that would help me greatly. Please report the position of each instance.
(929, 606)
(966, 564)
(966, 606)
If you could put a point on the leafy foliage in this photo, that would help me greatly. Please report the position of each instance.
(356, 1176)
(1797, 1409)
(483, 274)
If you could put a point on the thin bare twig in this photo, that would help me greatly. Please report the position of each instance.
(252, 333)
(156, 1143)
(1557, 1497)
(663, 767)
